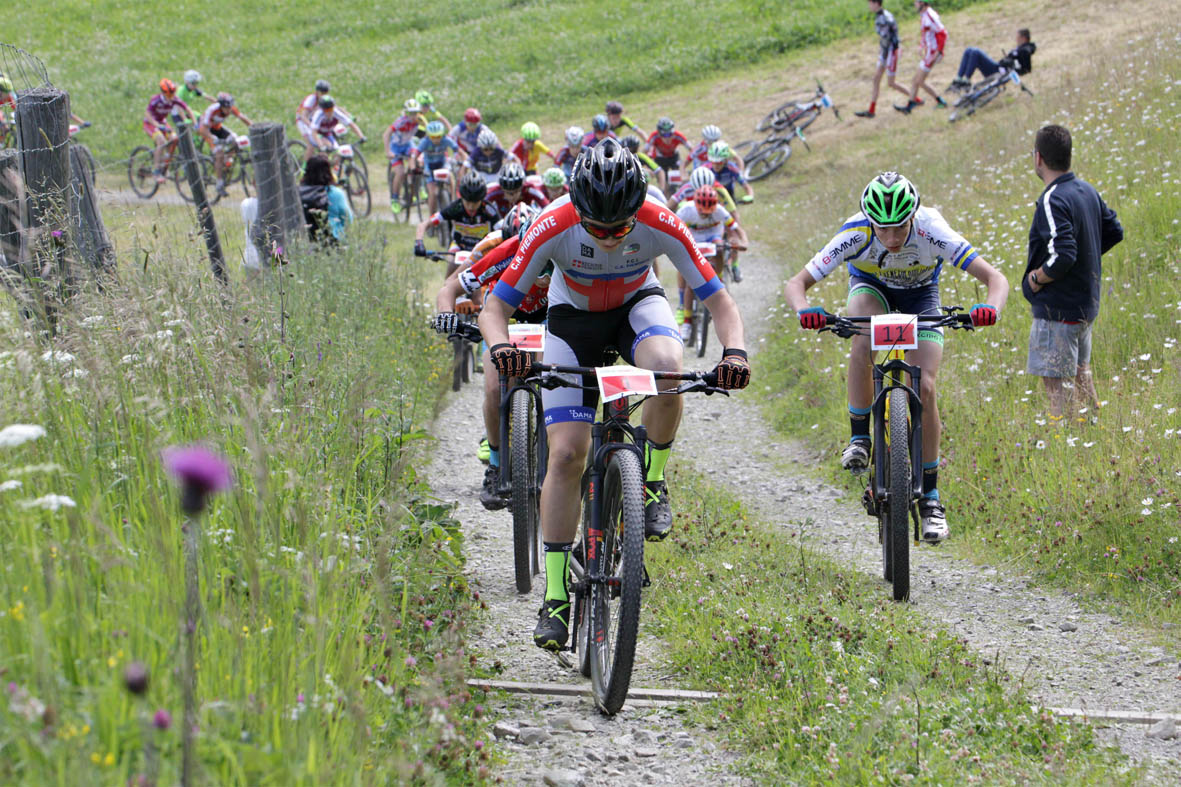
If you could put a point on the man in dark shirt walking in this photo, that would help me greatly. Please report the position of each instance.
(1072, 228)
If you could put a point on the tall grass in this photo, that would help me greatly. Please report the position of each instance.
(512, 58)
(825, 680)
(1093, 505)
(331, 640)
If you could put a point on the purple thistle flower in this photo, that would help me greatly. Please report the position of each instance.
(135, 677)
(162, 719)
(201, 473)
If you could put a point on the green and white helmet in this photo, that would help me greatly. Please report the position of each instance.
(554, 177)
(889, 200)
(531, 131)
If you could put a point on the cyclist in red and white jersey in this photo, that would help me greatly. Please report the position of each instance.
(307, 108)
(663, 144)
(213, 131)
(602, 240)
(932, 39)
(511, 188)
(324, 126)
(708, 222)
(155, 125)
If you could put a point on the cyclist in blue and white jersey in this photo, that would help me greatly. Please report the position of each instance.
(433, 152)
(398, 141)
(894, 251)
(466, 132)
(488, 157)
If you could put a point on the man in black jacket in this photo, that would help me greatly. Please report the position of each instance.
(1019, 59)
(1072, 228)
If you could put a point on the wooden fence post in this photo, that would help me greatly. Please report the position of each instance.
(43, 133)
(268, 151)
(11, 196)
(90, 234)
(188, 159)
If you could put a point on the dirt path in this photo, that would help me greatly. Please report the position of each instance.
(1066, 656)
(550, 739)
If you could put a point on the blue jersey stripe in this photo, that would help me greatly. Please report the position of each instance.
(508, 294)
(708, 288)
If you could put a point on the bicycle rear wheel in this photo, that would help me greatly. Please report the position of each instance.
(523, 453)
(898, 486)
(180, 176)
(139, 172)
(356, 187)
(459, 362)
(615, 603)
(411, 203)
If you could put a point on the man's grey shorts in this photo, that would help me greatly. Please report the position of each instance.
(1057, 349)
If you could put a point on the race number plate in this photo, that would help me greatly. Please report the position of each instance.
(707, 249)
(346, 151)
(674, 176)
(462, 258)
(527, 337)
(243, 142)
(616, 382)
(894, 332)
(442, 175)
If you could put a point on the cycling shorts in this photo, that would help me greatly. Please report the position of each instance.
(912, 300)
(889, 60)
(151, 129)
(306, 131)
(533, 318)
(222, 133)
(930, 59)
(575, 337)
(399, 151)
(667, 162)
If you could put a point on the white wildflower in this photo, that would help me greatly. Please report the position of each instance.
(17, 434)
(9, 485)
(1040, 444)
(49, 502)
(57, 356)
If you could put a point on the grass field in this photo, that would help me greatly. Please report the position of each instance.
(512, 58)
(826, 680)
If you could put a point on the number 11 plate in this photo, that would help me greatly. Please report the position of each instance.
(894, 332)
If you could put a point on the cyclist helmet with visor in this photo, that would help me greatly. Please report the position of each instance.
(167, 86)
(192, 77)
(322, 86)
(574, 136)
(487, 139)
(607, 186)
(614, 108)
(411, 107)
(425, 98)
(435, 129)
(702, 176)
(225, 100)
(327, 102)
(718, 151)
(706, 199)
(711, 133)
(665, 126)
(512, 176)
(600, 123)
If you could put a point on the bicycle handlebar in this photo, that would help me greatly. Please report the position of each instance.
(706, 382)
(845, 327)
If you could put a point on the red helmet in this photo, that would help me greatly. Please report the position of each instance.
(167, 86)
(706, 199)
(472, 115)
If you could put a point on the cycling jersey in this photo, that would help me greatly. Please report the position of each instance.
(625, 123)
(931, 243)
(687, 190)
(309, 105)
(402, 133)
(699, 156)
(489, 164)
(486, 271)
(214, 115)
(465, 135)
(530, 195)
(887, 30)
(666, 147)
(426, 116)
(160, 107)
(188, 94)
(325, 124)
(707, 228)
(466, 230)
(435, 153)
(529, 156)
(729, 176)
(566, 157)
(647, 161)
(932, 33)
(590, 140)
(590, 279)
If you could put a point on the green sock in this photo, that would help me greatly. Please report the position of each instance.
(557, 565)
(657, 456)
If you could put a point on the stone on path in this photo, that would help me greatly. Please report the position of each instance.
(503, 729)
(534, 735)
(1165, 730)
(1066, 625)
(563, 778)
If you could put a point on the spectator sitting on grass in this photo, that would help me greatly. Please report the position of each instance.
(1019, 59)
(326, 209)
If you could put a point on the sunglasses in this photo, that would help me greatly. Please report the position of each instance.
(607, 233)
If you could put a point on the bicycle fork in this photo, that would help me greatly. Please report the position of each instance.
(894, 369)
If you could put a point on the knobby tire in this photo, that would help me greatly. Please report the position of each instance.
(139, 172)
(616, 610)
(523, 455)
(898, 494)
(582, 617)
(358, 190)
(700, 329)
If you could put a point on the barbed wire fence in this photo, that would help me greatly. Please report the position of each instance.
(54, 193)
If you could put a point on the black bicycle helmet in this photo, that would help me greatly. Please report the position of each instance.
(327, 102)
(607, 184)
(631, 143)
(512, 176)
(322, 85)
(472, 187)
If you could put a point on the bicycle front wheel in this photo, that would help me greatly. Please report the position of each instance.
(139, 172)
(700, 329)
(615, 602)
(523, 455)
(356, 187)
(898, 485)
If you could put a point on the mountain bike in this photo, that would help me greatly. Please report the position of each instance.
(983, 92)
(237, 163)
(410, 195)
(700, 318)
(442, 180)
(896, 483)
(463, 341)
(607, 565)
(783, 125)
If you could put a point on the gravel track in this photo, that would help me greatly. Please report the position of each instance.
(1064, 654)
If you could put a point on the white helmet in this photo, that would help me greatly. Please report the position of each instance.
(702, 176)
(487, 138)
(574, 136)
(192, 77)
(711, 133)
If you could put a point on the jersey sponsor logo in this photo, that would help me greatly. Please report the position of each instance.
(586, 266)
(932, 239)
(586, 251)
(846, 245)
(631, 248)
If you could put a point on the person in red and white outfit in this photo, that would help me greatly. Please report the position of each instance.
(932, 40)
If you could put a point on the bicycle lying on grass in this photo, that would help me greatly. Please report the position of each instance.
(607, 565)
(783, 124)
(981, 93)
(896, 415)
